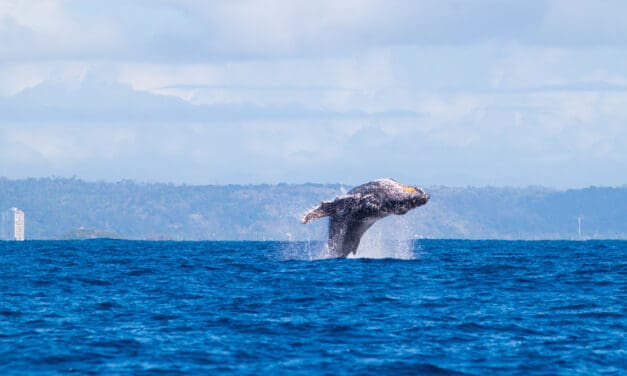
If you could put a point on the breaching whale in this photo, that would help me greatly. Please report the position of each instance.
(351, 215)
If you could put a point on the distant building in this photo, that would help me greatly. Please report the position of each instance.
(12, 225)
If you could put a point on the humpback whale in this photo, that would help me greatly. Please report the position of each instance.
(352, 214)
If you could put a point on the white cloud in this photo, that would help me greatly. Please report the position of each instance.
(47, 30)
(193, 31)
(451, 92)
(549, 68)
(584, 22)
(459, 139)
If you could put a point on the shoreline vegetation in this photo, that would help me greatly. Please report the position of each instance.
(70, 208)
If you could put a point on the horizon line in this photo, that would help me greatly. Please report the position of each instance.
(281, 183)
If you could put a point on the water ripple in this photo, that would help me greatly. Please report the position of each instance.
(438, 307)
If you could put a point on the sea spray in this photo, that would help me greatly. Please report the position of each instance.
(393, 238)
(389, 239)
(376, 247)
(309, 250)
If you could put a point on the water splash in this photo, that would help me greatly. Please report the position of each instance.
(392, 237)
(304, 251)
(376, 245)
(372, 247)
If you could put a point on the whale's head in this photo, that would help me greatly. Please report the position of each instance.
(406, 198)
(418, 197)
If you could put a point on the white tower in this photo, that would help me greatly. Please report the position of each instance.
(12, 226)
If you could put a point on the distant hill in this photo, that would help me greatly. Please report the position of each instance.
(55, 207)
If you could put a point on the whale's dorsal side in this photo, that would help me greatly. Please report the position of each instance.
(351, 215)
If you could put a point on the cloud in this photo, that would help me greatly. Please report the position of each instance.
(51, 30)
(92, 101)
(583, 23)
(101, 129)
(439, 92)
(194, 31)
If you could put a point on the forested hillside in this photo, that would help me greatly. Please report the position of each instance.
(58, 208)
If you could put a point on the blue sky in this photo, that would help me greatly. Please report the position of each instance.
(436, 92)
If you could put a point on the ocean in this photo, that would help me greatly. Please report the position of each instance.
(422, 307)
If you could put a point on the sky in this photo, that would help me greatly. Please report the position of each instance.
(436, 92)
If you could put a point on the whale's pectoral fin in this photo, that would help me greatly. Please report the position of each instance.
(313, 214)
(340, 205)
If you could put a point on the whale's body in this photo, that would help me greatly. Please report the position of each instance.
(353, 214)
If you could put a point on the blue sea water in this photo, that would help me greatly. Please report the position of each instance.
(451, 307)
